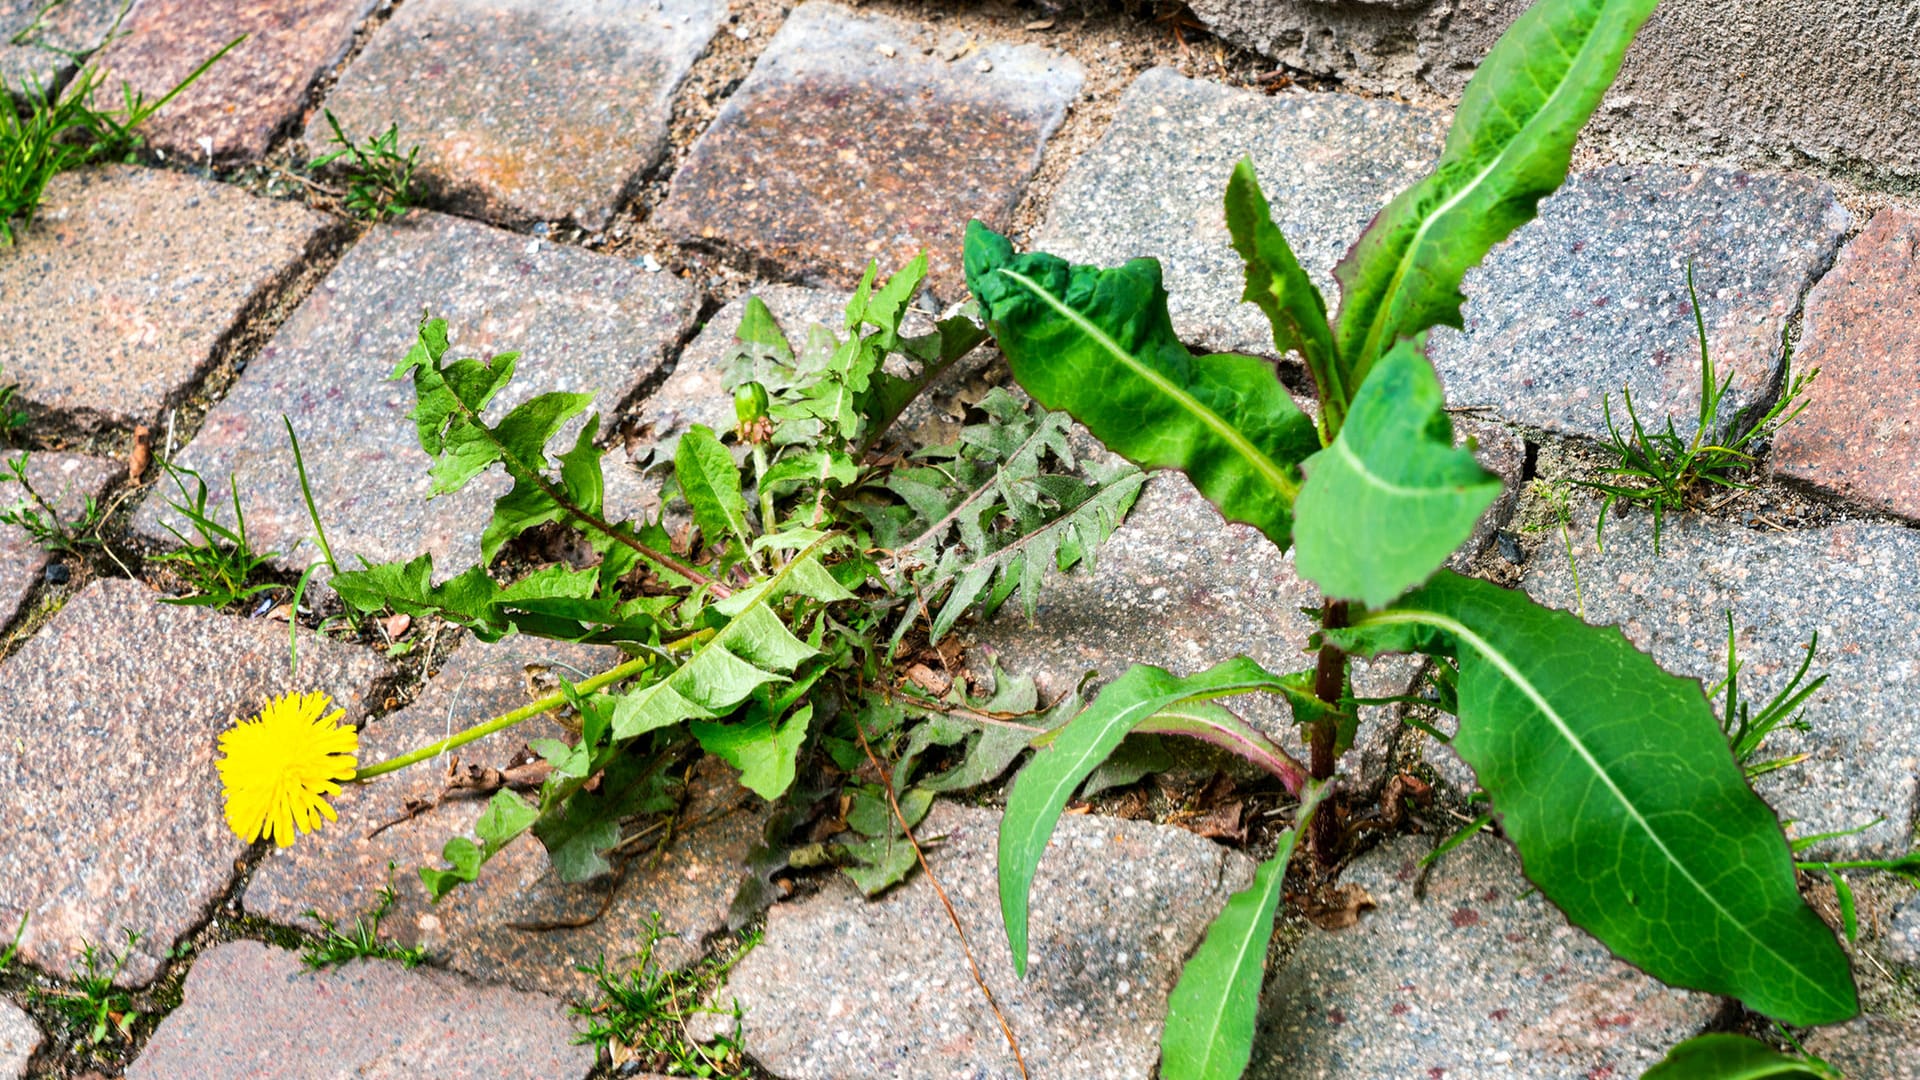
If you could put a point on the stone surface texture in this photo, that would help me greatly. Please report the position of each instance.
(1871, 1048)
(842, 988)
(1153, 187)
(19, 1038)
(849, 142)
(581, 322)
(500, 928)
(1850, 583)
(253, 1012)
(237, 107)
(1903, 934)
(1476, 975)
(35, 35)
(129, 279)
(109, 718)
(1769, 82)
(66, 481)
(1858, 436)
(1592, 296)
(541, 109)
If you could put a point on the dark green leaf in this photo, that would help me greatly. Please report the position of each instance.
(1735, 1057)
(711, 483)
(1282, 290)
(764, 751)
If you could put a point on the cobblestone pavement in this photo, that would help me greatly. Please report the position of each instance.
(609, 179)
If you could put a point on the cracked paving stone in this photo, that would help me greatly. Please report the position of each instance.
(1850, 583)
(1154, 185)
(843, 988)
(1871, 1048)
(580, 321)
(254, 1012)
(1476, 976)
(52, 31)
(19, 1038)
(1858, 436)
(502, 927)
(542, 109)
(852, 141)
(67, 481)
(129, 281)
(238, 105)
(1592, 296)
(109, 718)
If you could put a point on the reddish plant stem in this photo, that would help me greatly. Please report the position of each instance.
(1329, 685)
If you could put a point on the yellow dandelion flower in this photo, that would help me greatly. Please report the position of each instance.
(280, 767)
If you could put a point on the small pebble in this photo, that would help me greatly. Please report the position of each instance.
(983, 66)
(1509, 546)
(58, 574)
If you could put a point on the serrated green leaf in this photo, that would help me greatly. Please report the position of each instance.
(1614, 781)
(764, 751)
(711, 483)
(1735, 1057)
(507, 816)
(1211, 1012)
(579, 828)
(1099, 345)
(1284, 293)
(1065, 757)
(759, 327)
(1390, 500)
(1511, 142)
(880, 863)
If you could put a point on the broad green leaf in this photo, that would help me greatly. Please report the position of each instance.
(1614, 781)
(1066, 756)
(1211, 1012)
(1735, 1057)
(1511, 141)
(759, 327)
(1282, 290)
(764, 751)
(579, 827)
(1217, 725)
(1099, 344)
(880, 863)
(529, 504)
(711, 483)
(507, 816)
(1391, 498)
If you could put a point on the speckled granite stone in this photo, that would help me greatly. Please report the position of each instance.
(1474, 976)
(581, 322)
(1851, 583)
(74, 26)
(339, 872)
(19, 1038)
(109, 718)
(66, 480)
(1592, 296)
(253, 1012)
(1903, 933)
(541, 109)
(253, 93)
(850, 142)
(129, 279)
(1153, 187)
(1871, 1048)
(842, 988)
(1860, 436)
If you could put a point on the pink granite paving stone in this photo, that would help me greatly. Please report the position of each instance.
(109, 719)
(253, 93)
(19, 1038)
(1860, 434)
(65, 480)
(541, 109)
(518, 923)
(856, 138)
(253, 1012)
(38, 39)
(581, 322)
(129, 282)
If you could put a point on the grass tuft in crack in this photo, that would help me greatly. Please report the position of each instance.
(379, 177)
(93, 1004)
(218, 564)
(641, 1016)
(363, 941)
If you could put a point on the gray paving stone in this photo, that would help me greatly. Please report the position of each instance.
(67, 481)
(130, 279)
(50, 32)
(1851, 583)
(1154, 184)
(19, 1038)
(258, 90)
(581, 322)
(1858, 436)
(1871, 1048)
(850, 142)
(109, 719)
(843, 988)
(526, 108)
(1474, 976)
(1592, 296)
(253, 1012)
(499, 928)
(1903, 934)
